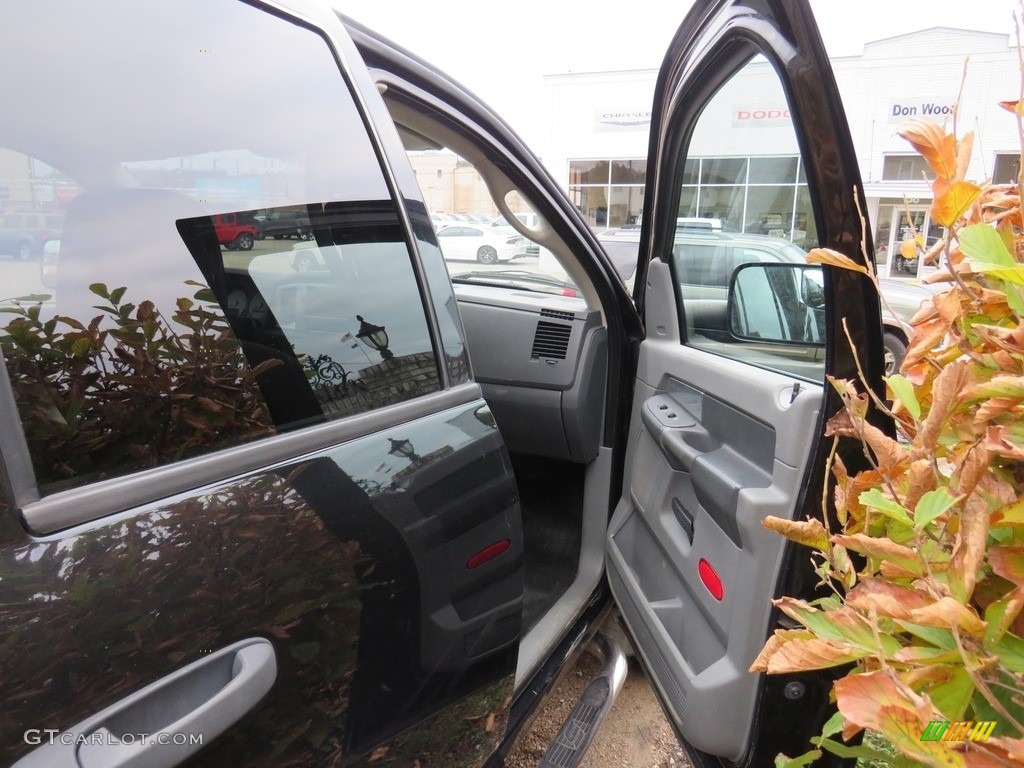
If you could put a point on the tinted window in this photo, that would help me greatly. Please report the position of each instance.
(172, 331)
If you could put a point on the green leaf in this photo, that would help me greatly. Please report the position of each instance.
(937, 636)
(932, 505)
(833, 725)
(100, 289)
(876, 500)
(116, 294)
(904, 390)
(1015, 298)
(30, 298)
(807, 758)
(1005, 692)
(1010, 650)
(953, 695)
(982, 243)
(820, 623)
(843, 750)
(996, 627)
(81, 347)
(1013, 275)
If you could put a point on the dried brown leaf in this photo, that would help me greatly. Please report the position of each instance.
(886, 599)
(920, 480)
(949, 613)
(1008, 562)
(945, 395)
(810, 532)
(832, 258)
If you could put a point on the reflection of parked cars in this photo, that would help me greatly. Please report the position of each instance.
(22, 234)
(48, 264)
(284, 223)
(235, 231)
(712, 258)
(354, 515)
(306, 257)
(460, 242)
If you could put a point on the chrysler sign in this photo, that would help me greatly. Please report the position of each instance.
(622, 120)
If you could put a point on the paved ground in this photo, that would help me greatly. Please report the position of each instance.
(635, 735)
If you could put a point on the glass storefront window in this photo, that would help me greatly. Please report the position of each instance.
(688, 202)
(592, 202)
(723, 170)
(722, 202)
(805, 232)
(626, 205)
(629, 171)
(770, 210)
(691, 171)
(1007, 168)
(772, 170)
(761, 195)
(588, 172)
(905, 168)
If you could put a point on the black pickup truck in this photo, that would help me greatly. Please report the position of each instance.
(364, 514)
(284, 223)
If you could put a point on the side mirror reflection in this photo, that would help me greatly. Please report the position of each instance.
(777, 304)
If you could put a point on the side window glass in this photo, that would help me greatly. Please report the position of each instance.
(199, 283)
(488, 249)
(743, 199)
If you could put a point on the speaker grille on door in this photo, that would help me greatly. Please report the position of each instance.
(551, 340)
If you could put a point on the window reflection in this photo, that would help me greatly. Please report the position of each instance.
(204, 266)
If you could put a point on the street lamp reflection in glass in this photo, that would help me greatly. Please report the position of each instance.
(375, 337)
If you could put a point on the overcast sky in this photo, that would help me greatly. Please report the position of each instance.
(501, 51)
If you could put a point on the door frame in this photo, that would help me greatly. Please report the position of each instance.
(714, 41)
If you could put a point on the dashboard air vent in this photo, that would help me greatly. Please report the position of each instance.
(551, 340)
(557, 314)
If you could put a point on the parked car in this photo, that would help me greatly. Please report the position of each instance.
(285, 223)
(460, 242)
(356, 515)
(235, 231)
(711, 259)
(23, 234)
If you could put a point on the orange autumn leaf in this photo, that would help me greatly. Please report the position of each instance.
(908, 249)
(834, 259)
(1016, 107)
(936, 146)
(954, 202)
(798, 650)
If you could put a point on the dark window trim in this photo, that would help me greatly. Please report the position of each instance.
(342, 48)
(106, 498)
(17, 478)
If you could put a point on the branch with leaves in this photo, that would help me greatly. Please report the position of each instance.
(924, 560)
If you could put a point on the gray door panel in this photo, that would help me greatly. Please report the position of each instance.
(716, 446)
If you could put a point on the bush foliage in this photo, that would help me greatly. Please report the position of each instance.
(924, 558)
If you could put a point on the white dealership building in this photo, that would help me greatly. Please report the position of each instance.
(745, 164)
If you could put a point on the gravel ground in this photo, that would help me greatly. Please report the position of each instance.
(635, 734)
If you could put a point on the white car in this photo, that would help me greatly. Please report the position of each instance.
(460, 242)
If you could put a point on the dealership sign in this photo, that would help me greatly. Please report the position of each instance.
(622, 120)
(911, 107)
(760, 116)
